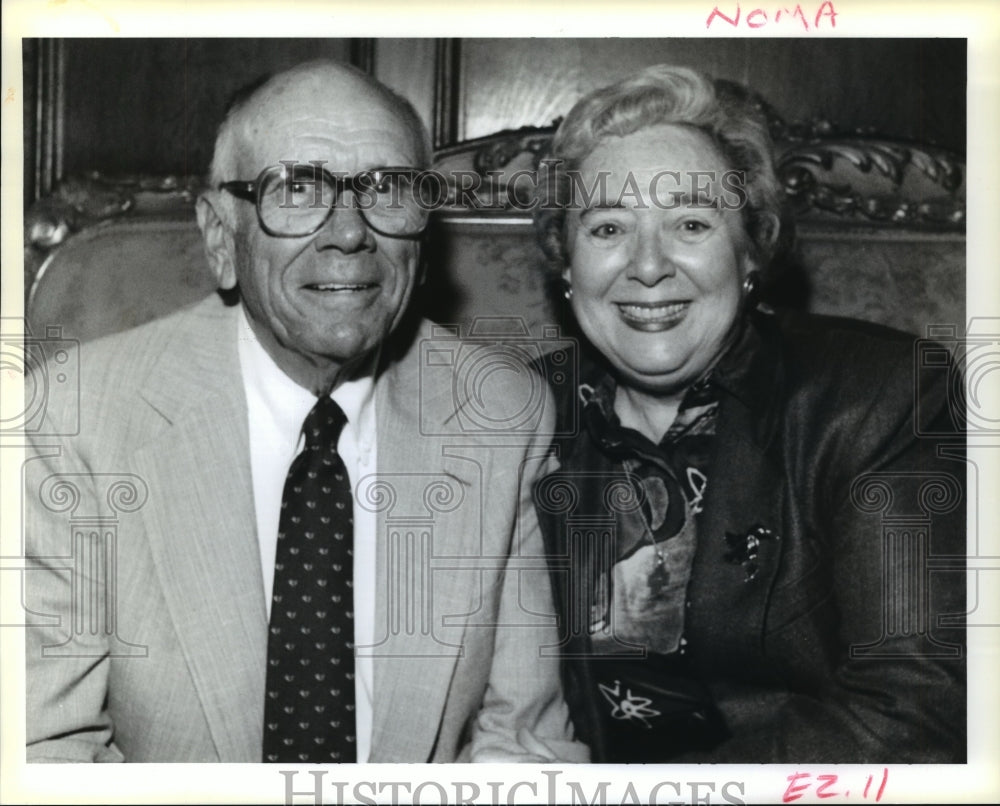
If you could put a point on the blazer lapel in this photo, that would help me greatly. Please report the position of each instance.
(738, 554)
(739, 548)
(202, 531)
(416, 653)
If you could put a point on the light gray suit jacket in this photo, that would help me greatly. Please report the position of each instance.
(149, 623)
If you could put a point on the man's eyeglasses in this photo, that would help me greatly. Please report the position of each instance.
(297, 199)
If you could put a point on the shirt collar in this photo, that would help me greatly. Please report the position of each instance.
(356, 397)
(287, 403)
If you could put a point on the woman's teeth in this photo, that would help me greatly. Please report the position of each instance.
(653, 313)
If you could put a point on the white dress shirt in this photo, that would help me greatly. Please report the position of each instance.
(276, 408)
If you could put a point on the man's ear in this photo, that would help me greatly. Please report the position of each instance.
(218, 241)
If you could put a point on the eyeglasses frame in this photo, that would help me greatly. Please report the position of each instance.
(250, 190)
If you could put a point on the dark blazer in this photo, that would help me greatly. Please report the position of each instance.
(839, 637)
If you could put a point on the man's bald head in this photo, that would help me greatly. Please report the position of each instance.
(343, 90)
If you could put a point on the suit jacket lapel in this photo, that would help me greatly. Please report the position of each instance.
(739, 547)
(414, 661)
(201, 527)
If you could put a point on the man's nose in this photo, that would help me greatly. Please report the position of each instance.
(652, 258)
(345, 229)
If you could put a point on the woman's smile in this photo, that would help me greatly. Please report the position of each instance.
(652, 317)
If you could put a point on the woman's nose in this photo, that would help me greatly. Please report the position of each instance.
(651, 258)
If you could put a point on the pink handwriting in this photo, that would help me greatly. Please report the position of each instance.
(829, 786)
(758, 17)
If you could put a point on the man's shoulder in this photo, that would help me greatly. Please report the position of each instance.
(130, 354)
(468, 385)
(434, 351)
(201, 319)
(108, 371)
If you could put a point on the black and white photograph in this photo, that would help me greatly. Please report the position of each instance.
(466, 407)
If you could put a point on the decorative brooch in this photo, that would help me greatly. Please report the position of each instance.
(745, 548)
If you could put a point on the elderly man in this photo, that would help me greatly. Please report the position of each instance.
(302, 563)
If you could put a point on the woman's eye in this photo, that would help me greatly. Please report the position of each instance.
(605, 230)
(694, 226)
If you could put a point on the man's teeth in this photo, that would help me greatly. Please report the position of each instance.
(340, 286)
(653, 312)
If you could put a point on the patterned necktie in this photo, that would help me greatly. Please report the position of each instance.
(309, 705)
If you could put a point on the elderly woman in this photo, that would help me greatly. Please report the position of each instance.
(720, 525)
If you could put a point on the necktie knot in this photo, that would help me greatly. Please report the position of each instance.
(323, 425)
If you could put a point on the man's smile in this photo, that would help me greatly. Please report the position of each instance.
(341, 287)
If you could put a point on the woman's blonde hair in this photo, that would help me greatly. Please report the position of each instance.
(657, 95)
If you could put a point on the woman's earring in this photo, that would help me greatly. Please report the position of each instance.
(567, 290)
(750, 283)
